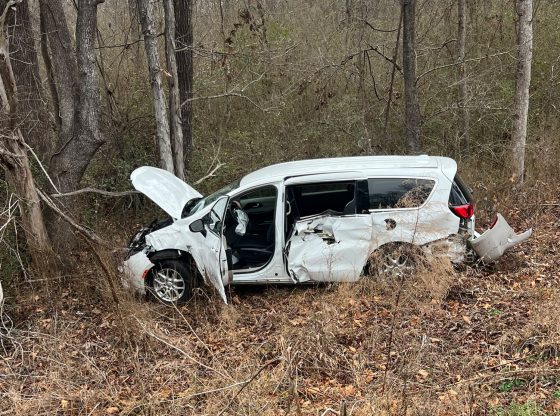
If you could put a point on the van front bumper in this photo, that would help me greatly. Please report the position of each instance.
(135, 269)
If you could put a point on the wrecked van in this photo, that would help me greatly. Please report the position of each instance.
(305, 221)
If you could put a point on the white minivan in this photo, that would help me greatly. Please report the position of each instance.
(305, 221)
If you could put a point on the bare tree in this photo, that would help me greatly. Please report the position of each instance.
(412, 108)
(13, 154)
(73, 83)
(524, 10)
(62, 71)
(133, 16)
(134, 30)
(160, 107)
(184, 43)
(70, 161)
(32, 117)
(461, 79)
(392, 81)
(174, 97)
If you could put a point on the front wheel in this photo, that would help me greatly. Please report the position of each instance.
(171, 282)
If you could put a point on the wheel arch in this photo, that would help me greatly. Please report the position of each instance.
(389, 245)
(174, 254)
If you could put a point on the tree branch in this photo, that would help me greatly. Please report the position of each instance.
(231, 93)
(480, 58)
(6, 154)
(375, 28)
(86, 232)
(226, 94)
(247, 382)
(388, 59)
(210, 174)
(5, 12)
(90, 190)
(94, 191)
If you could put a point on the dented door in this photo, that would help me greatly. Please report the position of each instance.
(329, 248)
(210, 255)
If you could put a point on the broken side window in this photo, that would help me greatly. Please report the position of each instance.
(387, 193)
(317, 198)
(460, 193)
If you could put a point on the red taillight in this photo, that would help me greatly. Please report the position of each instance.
(463, 211)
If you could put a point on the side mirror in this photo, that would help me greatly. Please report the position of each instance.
(198, 227)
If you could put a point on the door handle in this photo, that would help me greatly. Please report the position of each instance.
(390, 224)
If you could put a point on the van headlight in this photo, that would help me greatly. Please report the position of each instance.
(138, 240)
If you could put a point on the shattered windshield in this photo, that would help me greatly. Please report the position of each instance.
(195, 205)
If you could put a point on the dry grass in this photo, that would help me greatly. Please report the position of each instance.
(435, 343)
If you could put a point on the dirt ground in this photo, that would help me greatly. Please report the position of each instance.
(475, 342)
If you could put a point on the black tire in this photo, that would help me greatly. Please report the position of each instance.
(394, 259)
(171, 282)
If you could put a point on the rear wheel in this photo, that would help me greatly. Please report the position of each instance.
(393, 259)
(171, 282)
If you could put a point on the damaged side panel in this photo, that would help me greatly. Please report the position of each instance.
(329, 248)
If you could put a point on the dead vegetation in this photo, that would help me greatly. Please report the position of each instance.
(435, 343)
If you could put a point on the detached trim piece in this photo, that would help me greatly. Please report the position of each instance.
(495, 241)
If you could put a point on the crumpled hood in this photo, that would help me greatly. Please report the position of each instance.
(168, 191)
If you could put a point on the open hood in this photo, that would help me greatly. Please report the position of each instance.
(168, 191)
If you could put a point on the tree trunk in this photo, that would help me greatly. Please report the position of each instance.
(524, 10)
(412, 109)
(135, 34)
(69, 163)
(59, 57)
(32, 117)
(184, 42)
(134, 22)
(13, 157)
(174, 98)
(463, 134)
(20, 176)
(160, 107)
(392, 81)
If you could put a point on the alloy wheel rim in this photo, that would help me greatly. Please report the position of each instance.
(395, 263)
(168, 285)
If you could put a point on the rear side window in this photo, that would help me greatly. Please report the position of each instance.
(317, 198)
(460, 193)
(387, 193)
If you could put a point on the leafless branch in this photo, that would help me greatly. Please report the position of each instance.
(375, 28)
(232, 93)
(40, 165)
(94, 191)
(210, 174)
(247, 382)
(86, 232)
(183, 352)
(226, 94)
(480, 58)
(127, 44)
(5, 154)
(388, 59)
(5, 12)
(374, 49)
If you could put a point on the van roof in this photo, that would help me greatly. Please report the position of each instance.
(342, 164)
